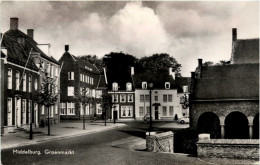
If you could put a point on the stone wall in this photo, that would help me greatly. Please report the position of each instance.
(161, 142)
(222, 108)
(228, 148)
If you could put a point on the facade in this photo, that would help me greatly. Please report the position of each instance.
(19, 81)
(120, 86)
(76, 76)
(225, 98)
(164, 96)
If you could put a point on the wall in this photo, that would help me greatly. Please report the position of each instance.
(222, 108)
(162, 142)
(228, 148)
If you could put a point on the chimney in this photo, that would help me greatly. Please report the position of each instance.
(192, 75)
(200, 62)
(13, 23)
(132, 70)
(234, 34)
(30, 33)
(66, 48)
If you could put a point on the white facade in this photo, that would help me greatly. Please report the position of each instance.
(167, 98)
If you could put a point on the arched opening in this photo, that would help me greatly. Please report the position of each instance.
(236, 126)
(209, 123)
(256, 127)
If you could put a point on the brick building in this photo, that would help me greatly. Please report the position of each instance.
(225, 98)
(19, 81)
(76, 76)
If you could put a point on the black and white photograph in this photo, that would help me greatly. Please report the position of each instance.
(129, 82)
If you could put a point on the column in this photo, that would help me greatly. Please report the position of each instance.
(222, 131)
(250, 131)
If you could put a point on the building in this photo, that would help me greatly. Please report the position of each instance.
(120, 86)
(77, 76)
(225, 98)
(19, 81)
(165, 96)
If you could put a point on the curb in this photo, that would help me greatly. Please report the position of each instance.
(61, 137)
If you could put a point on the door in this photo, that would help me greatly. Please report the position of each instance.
(115, 114)
(156, 112)
(9, 112)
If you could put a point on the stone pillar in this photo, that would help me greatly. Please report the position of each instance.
(150, 141)
(250, 131)
(222, 131)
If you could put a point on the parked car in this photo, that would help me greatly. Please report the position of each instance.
(184, 119)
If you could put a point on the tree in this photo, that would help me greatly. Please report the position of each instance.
(158, 63)
(84, 98)
(106, 104)
(48, 95)
(223, 62)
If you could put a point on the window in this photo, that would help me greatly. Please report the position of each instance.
(48, 69)
(86, 78)
(24, 82)
(9, 105)
(30, 83)
(70, 75)
(141, 98)
(24, 111)
(70, 91)
(35, 84)
(123, 98)
(62, 108)
(128, 86)
(71, 108)
(144, 85)
(51, 71)
(171, 111)
(126, 111)
(167, 85)
(83, 78)
(169, 98)
(130, 98)
(115, 86)
(147, 97)
(9, 86)
(57, 71)
(56, 109)
(51, 111)
(114, 98)
(99, 109)
(29, 111)
(98, 93)
(148, 110)
(17, 78)
(164, 98)
(141, 111)
(156, 98)
(164, 111)
(42, 109)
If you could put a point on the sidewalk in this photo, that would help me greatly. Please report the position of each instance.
(57, 131)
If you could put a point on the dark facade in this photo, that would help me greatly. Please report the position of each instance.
(76, 76)
(225, 98)
(20, 82)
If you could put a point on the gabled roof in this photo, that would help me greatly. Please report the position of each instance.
(245, 51)
(16, 53)
(234, 81)
(86, 65)
(101, 82)
(29, 44)
(119, 77)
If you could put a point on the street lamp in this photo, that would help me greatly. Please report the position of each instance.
(150, 86)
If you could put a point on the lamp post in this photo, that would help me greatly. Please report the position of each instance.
(150, 92)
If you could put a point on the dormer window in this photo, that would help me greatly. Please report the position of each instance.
(115, 86)
(167, 85)
(128, 86)
(144, 85)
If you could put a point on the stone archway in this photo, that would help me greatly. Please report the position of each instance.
(256, 127)
(209, 122)
(236, 126)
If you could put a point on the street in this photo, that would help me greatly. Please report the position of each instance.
(110, 147)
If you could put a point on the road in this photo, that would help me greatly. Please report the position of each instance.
(104, 148)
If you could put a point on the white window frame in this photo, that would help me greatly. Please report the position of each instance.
(144, 85)
(128, 86)
(128, 98)
(165, 98)
(24, 82)
(17, 80)
(141, 111)
(70, 90)
(36, 84)
(122, 98)
(99, 108)
(164, 108)
(42, 109)
(10, 78)
(167, 85)
(115, 97)
(70, 75)
(70, 108)
(30, 83)
(126, 110)
(170, 99)
(63, 109)
(9, 111)
(56, 109)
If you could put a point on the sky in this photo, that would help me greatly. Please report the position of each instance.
(185, 30)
